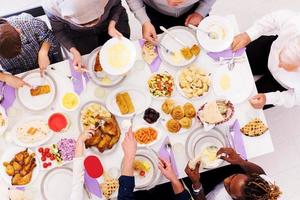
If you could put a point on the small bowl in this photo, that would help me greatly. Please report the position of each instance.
(74, 95)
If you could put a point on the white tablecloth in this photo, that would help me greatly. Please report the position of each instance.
(137, 78)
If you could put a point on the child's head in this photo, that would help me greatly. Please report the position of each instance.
(10, 40)
(289, 57)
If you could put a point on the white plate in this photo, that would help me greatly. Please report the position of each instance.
(57, 184)
(179, 89)
(104, 56)
(139, 99)
(152, 177)
(41, 102)
(34, 144)
(4, 127)
(199, 139)
(185, 35)
(96, 77)
(217, 24)
(241, 84)
(159, 134)
(7, 157)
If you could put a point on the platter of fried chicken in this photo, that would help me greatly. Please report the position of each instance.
(19, 166)
(107, 131)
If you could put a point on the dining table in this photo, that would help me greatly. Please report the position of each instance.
(136, 78)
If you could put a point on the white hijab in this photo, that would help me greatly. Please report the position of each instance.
(76, 11)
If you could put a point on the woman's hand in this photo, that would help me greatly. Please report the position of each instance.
(258, 101)
(112, 31)
(194, 19)
(240, 41)
(194, 175)
(81, 140)
(149, 32)
(230, 156)
(15, 82)
(77, 60)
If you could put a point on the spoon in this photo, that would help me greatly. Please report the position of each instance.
(211, 34)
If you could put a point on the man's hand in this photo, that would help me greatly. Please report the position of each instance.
(230, 156)
(44, 62)
(166, 169)
(112, 31)
(194, 19)
(77, 60)
(129, 145)
(240, 41)
(86, 135)
(194, 175)
(258, 101)
(15, 82)
(149, 32)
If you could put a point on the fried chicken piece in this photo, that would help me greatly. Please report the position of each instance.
(94, 140)
(21, 180)
(110, 127)
(10, 171)
(16, 166)
(114, 140)
(97, 66)
(103, 144)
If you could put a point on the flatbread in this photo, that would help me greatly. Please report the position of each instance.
(211, 114)
(254, 128)
(148, 52)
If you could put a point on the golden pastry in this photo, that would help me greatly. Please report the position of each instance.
(168, 106)
(173, 126)
(185, 122)
(124, 103)
(189, 110)
(195, 50)
(177, 113)
(39, 90)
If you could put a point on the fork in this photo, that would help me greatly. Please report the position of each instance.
(99, 124)
(68, 76)
(212, 35)
(231, 63)
(166, 49)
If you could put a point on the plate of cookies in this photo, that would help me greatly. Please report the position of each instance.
(125, 102)
(178, 117)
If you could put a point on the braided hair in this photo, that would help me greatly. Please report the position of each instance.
(256, 188)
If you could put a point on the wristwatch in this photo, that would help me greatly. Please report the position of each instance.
(197, 191)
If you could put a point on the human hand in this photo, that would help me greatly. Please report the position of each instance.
(194, 19)
(166, 169)
(149, 32)
(258, 101)
(240, 41)
(44, 62)
(175, 3)
(87, 134)
(15, 82)
(77, 60)
(112, 31)
(194, 175)
(231, 155)
(129, 145)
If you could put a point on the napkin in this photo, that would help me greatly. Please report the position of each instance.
(238, 139)
(154, 67)
(228, 53)
(164, 154)
(79, 78)
(92, 185)
(9, 97)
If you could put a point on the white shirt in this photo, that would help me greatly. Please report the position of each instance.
(78, 179)
(285, 24)
(218, 193)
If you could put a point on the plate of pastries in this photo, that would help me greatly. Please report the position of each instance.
(95, 115)
(97, 74)
(178, 116)
(19, 166)
(125, 102)
(41, 95)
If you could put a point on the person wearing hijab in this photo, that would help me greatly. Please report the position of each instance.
(273, 50)
(81, 26)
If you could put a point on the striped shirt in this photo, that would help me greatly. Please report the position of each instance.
(33, 33)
